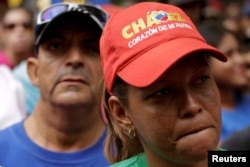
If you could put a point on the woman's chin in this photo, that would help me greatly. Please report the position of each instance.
(197, 145)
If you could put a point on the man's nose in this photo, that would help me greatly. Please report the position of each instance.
(75, 58)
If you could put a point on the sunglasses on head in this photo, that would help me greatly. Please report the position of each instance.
(94, 12)
(11, 26)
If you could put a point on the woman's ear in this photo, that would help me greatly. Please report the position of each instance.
(119, 113)
(32, 69)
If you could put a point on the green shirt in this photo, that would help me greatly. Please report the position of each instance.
(139, 161)
(135, 161)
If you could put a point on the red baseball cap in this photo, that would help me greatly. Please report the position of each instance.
(141, 42)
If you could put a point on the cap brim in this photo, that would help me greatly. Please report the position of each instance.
(147, 68)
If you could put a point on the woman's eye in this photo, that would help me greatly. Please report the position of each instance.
(162, 92)
(203, 79)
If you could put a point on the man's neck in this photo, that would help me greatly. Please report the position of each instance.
(64, 132)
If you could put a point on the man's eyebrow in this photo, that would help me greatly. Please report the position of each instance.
(51, 36)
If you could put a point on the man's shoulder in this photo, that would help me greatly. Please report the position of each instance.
(17, 148)
(9, 134)
(10, 145)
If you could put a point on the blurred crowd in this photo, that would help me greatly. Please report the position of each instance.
(225, 24)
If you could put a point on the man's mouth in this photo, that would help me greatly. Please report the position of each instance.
(74, 79)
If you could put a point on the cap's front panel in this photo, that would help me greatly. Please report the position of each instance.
(142, 30)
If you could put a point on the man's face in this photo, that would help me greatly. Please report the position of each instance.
(178, 117)
(18, 31)
(68, 68)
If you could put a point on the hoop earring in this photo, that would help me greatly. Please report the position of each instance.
(131, 133)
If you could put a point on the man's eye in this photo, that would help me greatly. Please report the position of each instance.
(90, 46)
(91, 49)
(55, 46)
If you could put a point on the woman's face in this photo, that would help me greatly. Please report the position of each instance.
(233, 72)
(178, 117)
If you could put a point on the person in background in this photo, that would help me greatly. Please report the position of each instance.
(161, 100)
(31, 92)
(193, 8)
(18, 36)
(230, 77)
(65, 129)
(3, 6)
(238, 141)
(244, 22)
(246, 53)
(12, 107)
(232, 17)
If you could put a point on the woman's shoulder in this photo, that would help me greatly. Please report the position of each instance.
(135, 161)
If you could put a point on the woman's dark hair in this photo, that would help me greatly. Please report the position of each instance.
(118, 145)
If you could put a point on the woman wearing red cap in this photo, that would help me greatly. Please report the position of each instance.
(161, 100)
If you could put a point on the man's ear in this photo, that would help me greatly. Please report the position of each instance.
(32, 69)
(119, 113)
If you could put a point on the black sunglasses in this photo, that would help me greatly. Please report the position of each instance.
(50, 13)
